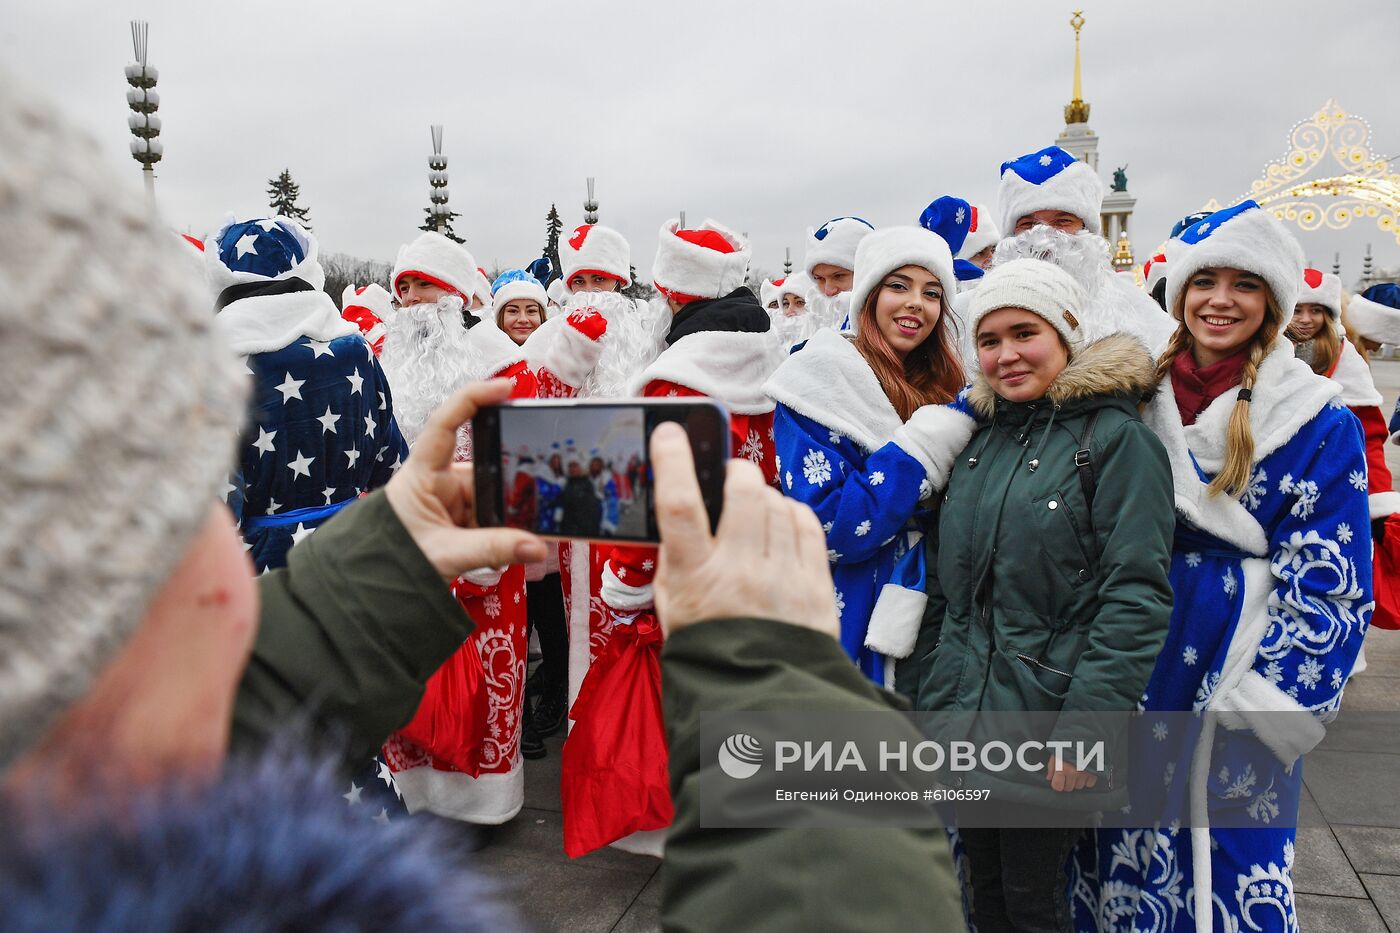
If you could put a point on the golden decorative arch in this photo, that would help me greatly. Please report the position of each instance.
(1365, 188)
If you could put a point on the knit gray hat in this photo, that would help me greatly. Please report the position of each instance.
(122, 409)
(1033, 285)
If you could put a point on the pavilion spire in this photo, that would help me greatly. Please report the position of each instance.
(1077, 110)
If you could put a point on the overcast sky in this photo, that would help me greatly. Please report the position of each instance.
(768, 116)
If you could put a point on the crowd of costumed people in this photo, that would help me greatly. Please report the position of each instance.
(1042, 486)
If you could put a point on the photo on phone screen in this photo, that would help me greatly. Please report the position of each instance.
(581, 469)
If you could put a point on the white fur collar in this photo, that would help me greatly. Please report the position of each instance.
(1287, 394)
(728, 366)
(829, 382)
(265, 323)
(1354, 377)
(489, 351)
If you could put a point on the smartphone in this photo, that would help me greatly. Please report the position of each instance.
(580, 468)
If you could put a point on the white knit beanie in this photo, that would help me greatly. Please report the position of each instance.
(595, 248)
(1040, 287)
(1049, 180)
(889, 248)
(1244, 237)
(834, 243)
(1320, 288)
(123, 408)
(435, 258)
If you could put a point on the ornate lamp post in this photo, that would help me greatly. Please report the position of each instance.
(437, 182)
(590, 206)
(787, 260)
(143, 100)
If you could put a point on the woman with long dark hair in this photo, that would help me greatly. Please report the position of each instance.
(861, 431)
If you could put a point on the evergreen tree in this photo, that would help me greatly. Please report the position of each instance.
(284, 193)
(447, 231)
(638, 288)
(553, 227)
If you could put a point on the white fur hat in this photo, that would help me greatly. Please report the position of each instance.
(888, 248)
(768, 291)
(1373, 320)
(371, 297)
(1154, 271)
(1244, 237)
(1049, 180)
(799, 284)
(231, 254)
(441, 261)
(834, 243)
(1040, 287)
(981, 233)
(705, 262)
(595, 248)
(558, 292)
(1320, 288)
(517, 283)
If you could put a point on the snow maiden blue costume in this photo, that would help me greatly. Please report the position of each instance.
(1272, 599)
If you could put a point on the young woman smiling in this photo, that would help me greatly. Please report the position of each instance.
(1271, 577)
(519, 301)
(1051, 593)
(860, 428)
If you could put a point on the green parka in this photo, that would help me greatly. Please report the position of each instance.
(1040, 597)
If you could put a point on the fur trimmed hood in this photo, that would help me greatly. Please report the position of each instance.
(1116, 365)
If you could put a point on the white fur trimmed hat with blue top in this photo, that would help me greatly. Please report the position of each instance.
(1245, 237)
(1049, 179)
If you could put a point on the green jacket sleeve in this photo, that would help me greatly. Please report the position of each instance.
(785, 879)
(349, 634)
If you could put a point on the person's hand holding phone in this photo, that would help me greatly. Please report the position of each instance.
(433, 496)
(767, 559)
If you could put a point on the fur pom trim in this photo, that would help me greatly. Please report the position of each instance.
(438, 257)
(895, 621)
(622, 596)
(685, 268)
(889, 248)
(1376, 322)
(270, 322)
(1076, 189)
(1383, 504)
(829, 382)
(728, 366)
(1252, 240)
(595, 248)
(838, 245)
(1354, 377)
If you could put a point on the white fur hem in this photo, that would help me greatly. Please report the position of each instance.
(894, 624)
(1258, 705)
(727, 366)
(578, 565)
(622, 596)
(934, 436)
(1384, 503)
(491, 799)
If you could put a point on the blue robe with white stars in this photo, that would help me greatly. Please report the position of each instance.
(1267, 639)
(321, 432)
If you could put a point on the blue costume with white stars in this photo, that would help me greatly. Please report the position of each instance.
(321, 429)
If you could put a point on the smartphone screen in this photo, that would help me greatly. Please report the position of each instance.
(580, 469)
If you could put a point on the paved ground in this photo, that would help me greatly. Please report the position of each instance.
(1347, 875)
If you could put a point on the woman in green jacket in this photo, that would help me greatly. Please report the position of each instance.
(1049, 591)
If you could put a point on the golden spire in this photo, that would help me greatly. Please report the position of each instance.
(1077, 111)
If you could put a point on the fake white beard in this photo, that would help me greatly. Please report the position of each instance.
(629, 345)
(1084, 255)
(425, 360)
(827, 312)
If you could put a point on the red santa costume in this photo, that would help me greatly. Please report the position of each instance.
(460, 755)
(367, 307)
(716, 344)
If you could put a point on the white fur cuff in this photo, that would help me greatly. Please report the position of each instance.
(1384, 504)
(571, 355)
(484, 576)
(1259, 706)
(894, 625)
(622, 596)
(935, 435)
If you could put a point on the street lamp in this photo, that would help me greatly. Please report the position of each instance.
(437, 182)
(143, 100)
(590, 206)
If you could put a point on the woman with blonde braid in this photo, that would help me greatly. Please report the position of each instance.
(1271, 576)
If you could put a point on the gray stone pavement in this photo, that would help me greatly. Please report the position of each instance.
(1346, 877)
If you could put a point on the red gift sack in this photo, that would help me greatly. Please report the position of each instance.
(451, 719)
(1386, 577)
(614, 778)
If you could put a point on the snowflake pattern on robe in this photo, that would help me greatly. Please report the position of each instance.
(1316, 522)
(866, 511)
(321, 432)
